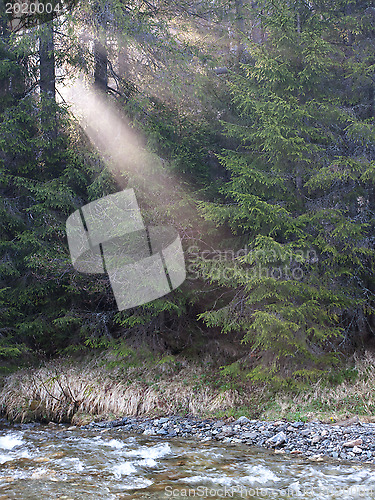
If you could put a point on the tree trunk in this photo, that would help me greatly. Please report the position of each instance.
(47, 61)
(47, 85)
(240, 28)
(122, 60)
(101, 63)
(4, 32)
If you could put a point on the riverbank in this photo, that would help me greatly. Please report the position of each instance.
(108, 385)
(315, 440)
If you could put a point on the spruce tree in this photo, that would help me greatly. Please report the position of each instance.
(299, 198)
(45, 174)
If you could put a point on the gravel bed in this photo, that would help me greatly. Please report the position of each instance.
(315, 440)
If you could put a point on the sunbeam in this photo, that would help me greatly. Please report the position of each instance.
(122, 149)
(125, 154)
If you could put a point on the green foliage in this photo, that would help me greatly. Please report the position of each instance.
(298, 196)
(44, 303)
(47, 170)
(295, 186)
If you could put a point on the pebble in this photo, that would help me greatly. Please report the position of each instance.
(242, 420)
(352, 444)
(314, 440)
(249, 435)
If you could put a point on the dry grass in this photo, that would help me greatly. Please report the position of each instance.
(354, 396)
(76, 392)
(110, 386)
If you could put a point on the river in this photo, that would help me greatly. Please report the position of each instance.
(50, 462)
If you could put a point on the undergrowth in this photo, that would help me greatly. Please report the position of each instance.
(121, 381)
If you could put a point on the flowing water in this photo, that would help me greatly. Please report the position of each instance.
(51, 462)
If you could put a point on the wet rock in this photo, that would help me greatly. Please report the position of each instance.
(118, 423)
(149, 432)
(162, 432)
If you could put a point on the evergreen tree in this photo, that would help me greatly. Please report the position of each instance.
(300, 191)
(45, 174)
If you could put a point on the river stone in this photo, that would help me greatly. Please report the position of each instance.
(311, 439)
(149, 432)
(297, 425)
(352, 444)
(218, 424)
(348, 422)
(163, 420)
(277, 440)
(357, 450)
(162, 432)
(242, 420)
(227, 431)
(249, 435)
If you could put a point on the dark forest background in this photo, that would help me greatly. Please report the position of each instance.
(256, 140)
